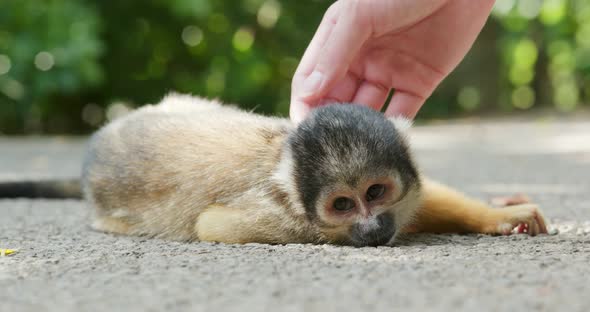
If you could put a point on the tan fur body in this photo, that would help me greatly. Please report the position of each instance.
(158, 169)
(171, 171)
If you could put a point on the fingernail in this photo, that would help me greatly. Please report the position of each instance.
(312, 84)
(298, 111)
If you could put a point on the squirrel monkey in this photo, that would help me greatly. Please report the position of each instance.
(193, 169)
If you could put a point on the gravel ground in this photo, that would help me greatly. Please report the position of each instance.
(61, 265)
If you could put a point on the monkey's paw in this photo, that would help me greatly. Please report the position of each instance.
(523, 218)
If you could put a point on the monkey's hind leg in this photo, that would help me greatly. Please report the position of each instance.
(447, 211)
(112, 224)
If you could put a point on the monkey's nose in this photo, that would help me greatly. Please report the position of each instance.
(375, 232)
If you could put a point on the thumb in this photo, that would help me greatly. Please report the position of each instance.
(350, 32)
(298, 110)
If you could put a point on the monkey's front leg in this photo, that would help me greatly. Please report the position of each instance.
(447, 211)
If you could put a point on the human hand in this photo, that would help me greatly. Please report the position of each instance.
(364, 48)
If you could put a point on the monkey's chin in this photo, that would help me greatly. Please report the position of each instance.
(382, 241)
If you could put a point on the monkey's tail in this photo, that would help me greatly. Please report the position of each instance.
(54, 189)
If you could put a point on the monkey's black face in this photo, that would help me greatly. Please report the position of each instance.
(354, 174)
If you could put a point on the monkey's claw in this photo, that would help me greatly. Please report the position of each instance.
(523, 218)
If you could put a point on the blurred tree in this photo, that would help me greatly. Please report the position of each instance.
(48, 50)
(67, 66)
(241, 51)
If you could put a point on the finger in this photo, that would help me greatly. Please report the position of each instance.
(534, 228)
(344, 90)
(298, 110)
(404, 104)
(310, 56)
(300, 107)
(371, 94)
(351, 31)
(505, 201)
(542, 224)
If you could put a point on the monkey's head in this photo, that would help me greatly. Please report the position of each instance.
(353, 174)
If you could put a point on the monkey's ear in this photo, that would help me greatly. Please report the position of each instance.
(402, 124)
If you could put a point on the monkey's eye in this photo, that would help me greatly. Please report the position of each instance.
(343, 204)
(375, 191)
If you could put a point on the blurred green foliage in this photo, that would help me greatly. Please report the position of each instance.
(66, 66)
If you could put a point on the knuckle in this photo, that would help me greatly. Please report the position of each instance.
(359, 12)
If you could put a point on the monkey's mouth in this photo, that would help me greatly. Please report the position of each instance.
(374, 241)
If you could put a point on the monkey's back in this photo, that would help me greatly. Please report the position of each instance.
(157, 168)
